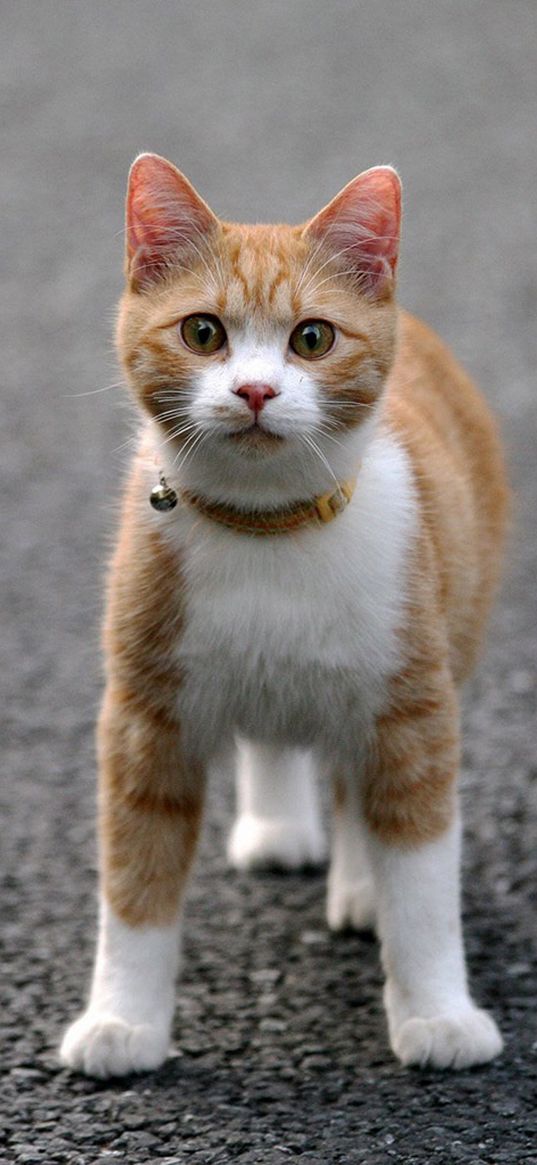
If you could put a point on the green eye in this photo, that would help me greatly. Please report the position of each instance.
(203, 334)
(312, 338)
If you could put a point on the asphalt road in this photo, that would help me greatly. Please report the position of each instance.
(270, 107)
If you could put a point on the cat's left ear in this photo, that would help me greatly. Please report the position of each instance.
(361, 226)
(166, 220)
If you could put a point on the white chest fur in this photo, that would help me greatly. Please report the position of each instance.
(291, 638)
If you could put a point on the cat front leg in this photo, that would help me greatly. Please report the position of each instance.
(432, 1019)
(126, 1026)
(412, 816)
(278, 818)
(150, 809)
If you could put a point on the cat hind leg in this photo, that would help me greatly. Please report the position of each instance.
(350, 892)
(278, 821)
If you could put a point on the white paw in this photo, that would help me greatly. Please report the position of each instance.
(350, 905)
(103, 1045)
(260, 842)
(448, 1041)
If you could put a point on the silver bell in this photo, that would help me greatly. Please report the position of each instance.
(163, 497)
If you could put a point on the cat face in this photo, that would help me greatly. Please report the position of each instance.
(251, 341)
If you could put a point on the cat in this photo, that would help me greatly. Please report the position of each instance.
(308, 588)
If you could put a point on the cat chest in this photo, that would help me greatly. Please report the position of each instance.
(288, 640)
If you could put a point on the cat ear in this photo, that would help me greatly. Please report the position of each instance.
(361, 225)
(165, 218)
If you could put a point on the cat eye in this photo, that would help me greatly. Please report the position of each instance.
(203, 334)
(312, 338)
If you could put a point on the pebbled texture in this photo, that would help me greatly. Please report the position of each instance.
(269, 108)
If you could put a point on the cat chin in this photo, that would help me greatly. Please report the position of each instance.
(255, 441)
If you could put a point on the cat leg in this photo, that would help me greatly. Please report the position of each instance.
(126, 1026)
(432, 1019)
(278, 821)
(350, 891)
(150, 808)
(412, 816)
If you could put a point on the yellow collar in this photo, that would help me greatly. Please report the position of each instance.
(316, 512)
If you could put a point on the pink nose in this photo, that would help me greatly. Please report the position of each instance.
(255, 395)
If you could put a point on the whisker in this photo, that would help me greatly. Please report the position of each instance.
(319, 453)
(172, 414)
(94, 391)
(323, 433)
(191, 444)
(131, 442)
(194, 433)
(351, 404)
(179, 432)
(177, 397)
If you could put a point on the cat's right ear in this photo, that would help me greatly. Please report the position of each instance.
(166, 220)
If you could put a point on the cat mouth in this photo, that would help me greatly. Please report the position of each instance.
(255, 434)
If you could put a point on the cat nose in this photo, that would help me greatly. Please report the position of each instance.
(255, 394)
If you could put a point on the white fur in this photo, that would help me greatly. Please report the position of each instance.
(431, 1017)
(351, 893)
(126, 1026)
(278, 819)
(253, 358)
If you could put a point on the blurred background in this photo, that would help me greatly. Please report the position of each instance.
(269, 107)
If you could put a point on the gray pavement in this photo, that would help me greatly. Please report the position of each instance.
(269, 107)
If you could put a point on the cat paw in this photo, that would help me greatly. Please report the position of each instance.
(257, 843)
(350, 905)
(102, 1045)
(448, 1041)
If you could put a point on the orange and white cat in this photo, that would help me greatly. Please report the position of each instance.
(312, 598)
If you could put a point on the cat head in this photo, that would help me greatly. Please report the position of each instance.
(260, 352)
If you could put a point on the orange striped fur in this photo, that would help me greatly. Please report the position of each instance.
(447, 429)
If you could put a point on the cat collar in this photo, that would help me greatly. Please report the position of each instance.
(317, 511)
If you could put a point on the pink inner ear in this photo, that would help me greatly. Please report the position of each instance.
(362, 226)
(165, 216)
